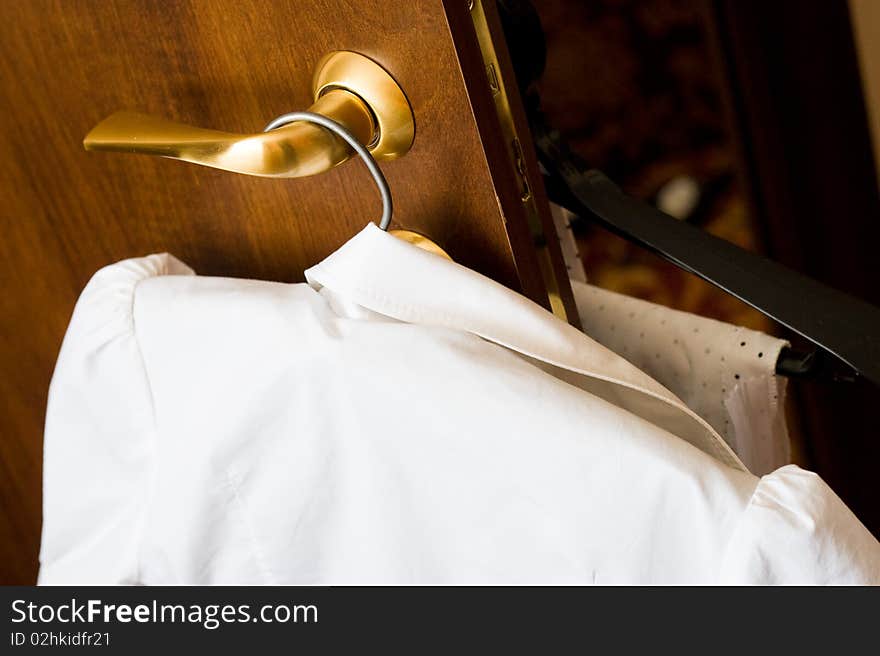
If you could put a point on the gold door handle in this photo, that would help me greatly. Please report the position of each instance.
(348, 88)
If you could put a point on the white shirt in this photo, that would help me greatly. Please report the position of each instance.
(399, 419)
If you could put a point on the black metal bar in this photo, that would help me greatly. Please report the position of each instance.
(837, 323)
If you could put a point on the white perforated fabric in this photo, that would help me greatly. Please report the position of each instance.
(724, 373)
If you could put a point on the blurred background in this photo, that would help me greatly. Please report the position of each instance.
(647, 109)
(753, 120)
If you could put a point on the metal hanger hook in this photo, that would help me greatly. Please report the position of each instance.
(339, 130)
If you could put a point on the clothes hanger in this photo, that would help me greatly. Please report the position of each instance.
(346, 135)
(844, 329)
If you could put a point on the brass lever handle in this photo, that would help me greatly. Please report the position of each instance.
(348, 88)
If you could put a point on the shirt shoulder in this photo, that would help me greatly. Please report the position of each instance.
(99, 432)
(796, 530)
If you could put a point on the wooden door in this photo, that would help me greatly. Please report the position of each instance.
(65, 65)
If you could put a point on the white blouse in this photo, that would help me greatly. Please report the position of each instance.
(398, 419)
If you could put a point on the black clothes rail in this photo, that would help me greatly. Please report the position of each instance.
(845, 329)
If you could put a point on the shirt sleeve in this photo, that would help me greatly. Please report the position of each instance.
(100, 434)
(796, 530)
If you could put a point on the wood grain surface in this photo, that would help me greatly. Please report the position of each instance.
(231, 66)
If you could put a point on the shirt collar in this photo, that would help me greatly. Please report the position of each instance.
(396, 279)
